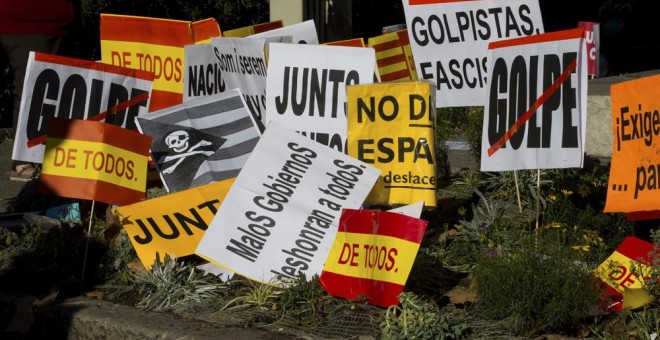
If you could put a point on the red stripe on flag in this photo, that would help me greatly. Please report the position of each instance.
(399, 58)
(384, 46)
(119, 107)
(389, 224)
(91, 131)
(403, 37)
(89, 189)
(146, 30)
(164, 99)
(267, 26)
(636, 249)
(93, 65)
(532, 110)
(205, 29)
(383, 293)
(430, 2)
(402, 74)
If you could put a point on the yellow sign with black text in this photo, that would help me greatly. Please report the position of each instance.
(172, 224)
(392, 126)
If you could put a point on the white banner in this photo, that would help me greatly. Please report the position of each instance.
(70, 88)
(281, 215)
(202, 74)
(535, 117)
(243, 65)
(306, 88)
(449, 41)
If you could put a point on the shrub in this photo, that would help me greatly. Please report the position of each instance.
(533, 292)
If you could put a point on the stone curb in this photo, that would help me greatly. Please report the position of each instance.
(84, 318)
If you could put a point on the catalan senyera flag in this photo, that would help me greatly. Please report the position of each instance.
(623, 274)
(155, 45)
(242, 32)
(394, 56)
(355, 42)
(95, 161)
(372, 255)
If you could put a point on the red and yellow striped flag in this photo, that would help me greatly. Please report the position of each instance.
(372, 255)
(155, 45)
(394, 56)
(96, 161)
(623, 275)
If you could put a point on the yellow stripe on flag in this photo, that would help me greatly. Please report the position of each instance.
(369, 256)
(617, 273)
(97, 161)
(166, 62)
(393, 68)
(389, 53)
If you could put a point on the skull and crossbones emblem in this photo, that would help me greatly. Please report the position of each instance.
(179, 141)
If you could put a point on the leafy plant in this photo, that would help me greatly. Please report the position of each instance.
(417, 318)
(533, 292)
(171, 284)
(305, 300)
(251, 294)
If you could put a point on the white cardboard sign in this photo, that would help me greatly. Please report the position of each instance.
(281, 215)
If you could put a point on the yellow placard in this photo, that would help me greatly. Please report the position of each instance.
(370, 256)
(238, 32)
(173, 224)
(392, 126)
(94, 160)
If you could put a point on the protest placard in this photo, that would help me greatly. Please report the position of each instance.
(372, 256)
(306, 88)
(635, 166)
(200, 141)
(243, 65)
(449, 41)
(202, 74)
(94, 161)
(63, 87)
(301, 33)
(535, 116)
(252, 29)
(592, 37)
(155, 45)
(280, 217)
(355, 42)
(623, 274)
(392, 126)
(172, 224)
(394, 56)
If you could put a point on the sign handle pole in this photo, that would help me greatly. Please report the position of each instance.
(515, 177)
(538, 204)
(89, 231)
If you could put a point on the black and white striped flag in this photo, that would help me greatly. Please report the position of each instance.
(212, 119)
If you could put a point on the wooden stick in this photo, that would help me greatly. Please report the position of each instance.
(515, 177)
(89, 231)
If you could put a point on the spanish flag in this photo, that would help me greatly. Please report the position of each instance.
(96, 161)
(372, 255)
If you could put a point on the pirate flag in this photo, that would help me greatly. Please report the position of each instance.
(224, 115)
(179, 152)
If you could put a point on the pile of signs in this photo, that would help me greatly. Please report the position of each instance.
(273, 147)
